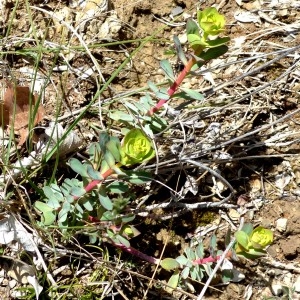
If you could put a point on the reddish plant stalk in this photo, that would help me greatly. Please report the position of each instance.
(172, 89)
(91, 185)
(202, 261)
(153, 260)
(138, 254)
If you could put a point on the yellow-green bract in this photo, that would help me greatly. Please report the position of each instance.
(261, 237)
(136, 147)
(210, 21)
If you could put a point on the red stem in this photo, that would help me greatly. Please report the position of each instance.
(172, 89)
(91, 185)
(138, 254)
(202, 261)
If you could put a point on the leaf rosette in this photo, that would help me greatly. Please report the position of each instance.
(136, 148)
(210, 21)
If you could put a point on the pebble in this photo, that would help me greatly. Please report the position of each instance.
(277, 289)
(12, 283)
(281, 224)
(296, 285)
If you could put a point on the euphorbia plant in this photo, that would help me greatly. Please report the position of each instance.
(251, 243)
(77, 202)
(203, 38)
(91, 200)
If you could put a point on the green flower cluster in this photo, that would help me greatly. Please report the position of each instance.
(210, 21)
(261, 237)
(252, 242)
(211, 24)
(136, 148)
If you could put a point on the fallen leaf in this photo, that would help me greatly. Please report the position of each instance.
(18, 108)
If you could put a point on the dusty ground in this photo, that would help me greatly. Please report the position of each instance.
(262, 166)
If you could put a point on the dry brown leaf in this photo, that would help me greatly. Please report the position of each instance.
(17, 107)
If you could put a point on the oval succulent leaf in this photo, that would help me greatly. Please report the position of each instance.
(169, 264)
(136, 148)
(78, 167)
(242, 239)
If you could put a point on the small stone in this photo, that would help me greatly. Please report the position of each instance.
(277, 289)
(182, 38)
(281, 224)
(297, 285)
(12, 283)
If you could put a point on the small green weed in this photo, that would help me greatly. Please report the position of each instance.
(96, 202)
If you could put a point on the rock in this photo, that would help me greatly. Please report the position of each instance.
(277, 289)
(12, 283)
(281, 224)
(296, 285)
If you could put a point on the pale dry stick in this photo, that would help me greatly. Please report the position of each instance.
(265, 126)
(166, 22)
(170, 164)
(211, 90)
(241, 137)
(249, 67)
(279, 265)
(187, 206)
(156, 268)
(264, 32)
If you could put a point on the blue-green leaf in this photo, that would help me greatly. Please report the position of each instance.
(190, 253)
(107, 216)
(247, 228)
(63, 214)
(182, 260)
(121, 116)
(152, 86)
(132, 107)
(77, 191)
(179, 50)
(185, 273)
(121, 240)
(77, 167)
(128, 218)
(118, 187)
(192, 94)
(213, 53)
(242, 238)
(79, 209)
(200, 251)
(218, 42)
(104, 199)
(49, 218)
(88, 204)
(48, 192)
(162, 94)
(93, 174)
(103, 139)
(167, 68)
(109, 158)
(192, 27)
(136, 177)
